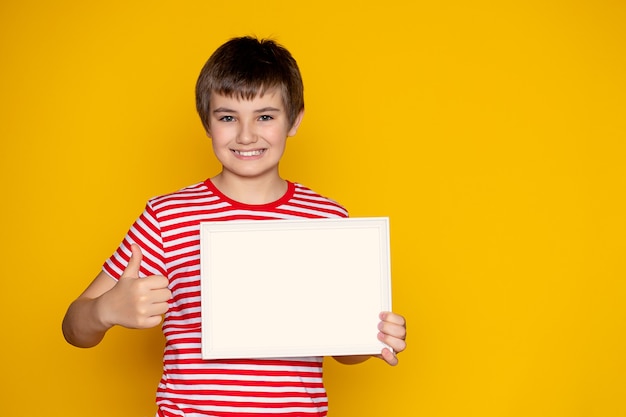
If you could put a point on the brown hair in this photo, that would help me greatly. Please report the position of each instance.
(246, 67)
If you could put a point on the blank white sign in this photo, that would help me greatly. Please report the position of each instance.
(284, 288)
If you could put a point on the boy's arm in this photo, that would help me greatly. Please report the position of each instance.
(82, 324)
(131, 302)
(392, 332)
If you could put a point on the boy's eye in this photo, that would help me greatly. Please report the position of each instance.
(265, 117)
(227, 118)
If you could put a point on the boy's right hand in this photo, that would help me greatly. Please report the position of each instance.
(136, 303)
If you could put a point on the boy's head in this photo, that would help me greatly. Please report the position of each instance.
(246, 67)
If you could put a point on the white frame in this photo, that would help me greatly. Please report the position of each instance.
(252, 307)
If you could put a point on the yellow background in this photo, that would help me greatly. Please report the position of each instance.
(492, 133)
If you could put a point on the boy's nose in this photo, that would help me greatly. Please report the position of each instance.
(246, 134)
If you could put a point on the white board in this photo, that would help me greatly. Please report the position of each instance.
(287, 288)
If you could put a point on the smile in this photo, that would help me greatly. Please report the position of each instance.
(255, 152)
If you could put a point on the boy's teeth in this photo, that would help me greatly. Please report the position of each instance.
(250, 153)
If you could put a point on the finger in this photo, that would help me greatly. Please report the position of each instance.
(398, 345)
(134, 263)
(161, 308)
(157, 308)
(151, 321)
(161, 295)
(390, 317)
(392, 329)
(154, 315)
(155, 282)
(389, 357)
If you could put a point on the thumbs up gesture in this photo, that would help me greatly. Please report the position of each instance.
(134, 302)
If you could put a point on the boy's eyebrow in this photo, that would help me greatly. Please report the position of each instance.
(266, 109)
(223, 110)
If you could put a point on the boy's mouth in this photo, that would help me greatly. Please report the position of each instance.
(255, 152)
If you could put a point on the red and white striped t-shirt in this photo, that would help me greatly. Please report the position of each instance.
(168, 233)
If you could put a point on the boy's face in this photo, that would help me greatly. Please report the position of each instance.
(249, 136)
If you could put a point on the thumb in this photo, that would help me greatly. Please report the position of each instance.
(132, 269)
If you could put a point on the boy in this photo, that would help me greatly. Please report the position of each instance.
(249, 96)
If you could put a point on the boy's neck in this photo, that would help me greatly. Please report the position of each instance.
(253, 191)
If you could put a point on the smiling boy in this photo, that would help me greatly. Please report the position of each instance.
(249, 98)
(249, 139)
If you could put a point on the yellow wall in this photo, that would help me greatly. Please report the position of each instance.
(491, 132)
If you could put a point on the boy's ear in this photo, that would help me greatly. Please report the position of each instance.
(296, 124)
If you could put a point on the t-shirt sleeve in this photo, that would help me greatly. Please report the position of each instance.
(146, 233)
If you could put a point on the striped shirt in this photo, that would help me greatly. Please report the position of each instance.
(168, 232)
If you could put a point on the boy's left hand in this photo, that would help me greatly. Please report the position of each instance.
(392, 332)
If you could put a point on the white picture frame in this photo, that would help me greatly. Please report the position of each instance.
(293, 288)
